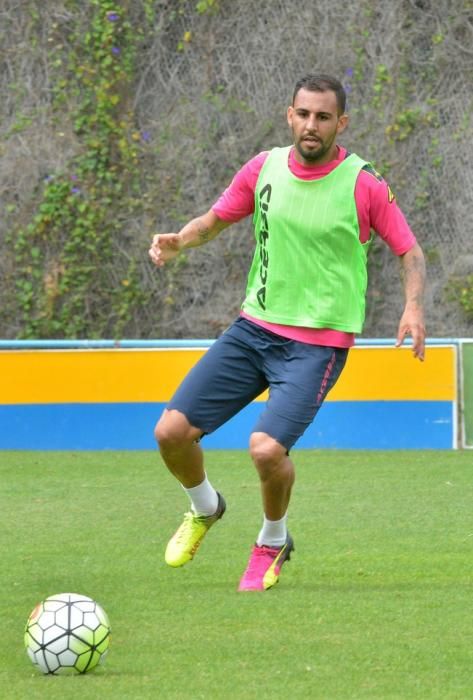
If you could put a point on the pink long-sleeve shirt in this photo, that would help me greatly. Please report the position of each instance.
(376, 207)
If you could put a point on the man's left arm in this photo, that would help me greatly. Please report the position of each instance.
(412, 319)
(387, 219)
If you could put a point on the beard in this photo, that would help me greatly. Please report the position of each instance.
(313, 155)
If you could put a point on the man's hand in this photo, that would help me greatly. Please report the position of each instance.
(164, 247)
(412, 323)
(412, 320)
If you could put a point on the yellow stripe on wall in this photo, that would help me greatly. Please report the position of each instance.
(392, 374)
(141, 375)
(87, 376)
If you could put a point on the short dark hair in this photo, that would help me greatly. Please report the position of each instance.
(320, 82)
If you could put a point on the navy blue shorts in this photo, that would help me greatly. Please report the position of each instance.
(248, 359)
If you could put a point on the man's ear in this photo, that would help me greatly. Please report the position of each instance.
(290, 112)
(342, 123)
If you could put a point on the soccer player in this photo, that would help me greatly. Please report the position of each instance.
(314, 206)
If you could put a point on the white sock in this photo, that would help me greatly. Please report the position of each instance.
(273, 533)
(204, 498)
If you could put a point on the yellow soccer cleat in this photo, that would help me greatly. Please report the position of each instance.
(186, 540)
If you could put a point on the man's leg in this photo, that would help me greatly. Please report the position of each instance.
(224, 380)
(183, 457)
(274, 544)
(276, 473)
(299, 377)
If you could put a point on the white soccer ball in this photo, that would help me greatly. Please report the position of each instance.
(67, 633)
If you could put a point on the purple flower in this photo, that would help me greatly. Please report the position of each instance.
(349, 72)
(146, 136)
(116, 50)
(75, 190)
(113, 16)
(74, 177)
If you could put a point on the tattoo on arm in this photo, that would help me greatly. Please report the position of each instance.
(204, 233)
(201, 230)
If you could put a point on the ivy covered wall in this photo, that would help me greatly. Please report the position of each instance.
(121, 119)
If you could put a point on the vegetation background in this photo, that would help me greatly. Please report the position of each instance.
(121, 119)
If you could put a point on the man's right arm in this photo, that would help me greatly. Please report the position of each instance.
(197, 232)
(234, 204)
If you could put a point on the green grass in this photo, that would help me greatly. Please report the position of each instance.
(375, 603)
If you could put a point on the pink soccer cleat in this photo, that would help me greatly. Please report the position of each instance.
(264, 566)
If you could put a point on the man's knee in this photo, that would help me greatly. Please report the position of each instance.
(266, 452)
(173, 431)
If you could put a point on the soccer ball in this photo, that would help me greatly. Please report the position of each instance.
(67, 633)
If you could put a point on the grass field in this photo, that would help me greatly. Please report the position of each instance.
(375, 603)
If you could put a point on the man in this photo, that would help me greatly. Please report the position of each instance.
(314, 206)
